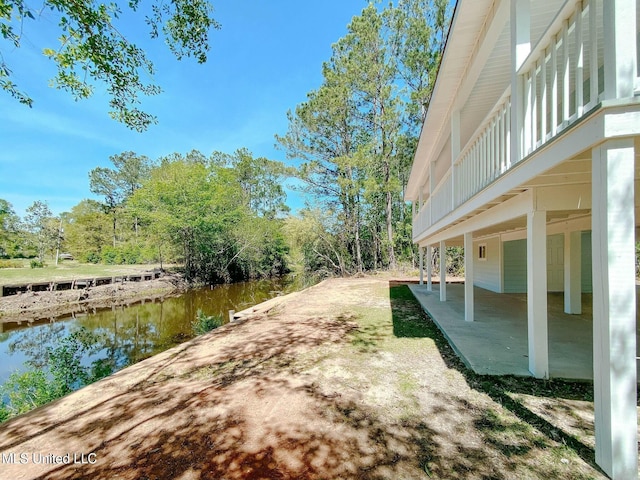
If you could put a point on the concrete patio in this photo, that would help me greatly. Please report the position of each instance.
(496, 342)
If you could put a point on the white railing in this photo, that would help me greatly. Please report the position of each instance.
(562, 79)
(422, 220)
(441, 198)
(487, 155)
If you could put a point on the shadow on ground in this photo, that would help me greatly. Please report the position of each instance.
(500, 388)
(234, 404)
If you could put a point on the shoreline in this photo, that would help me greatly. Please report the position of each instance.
(34, 306)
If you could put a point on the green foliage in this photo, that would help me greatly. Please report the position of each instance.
(64, 373)
(93, 50)
(27, 391)
(42, 228)
(37, 263)
(9, 226)
(91, 257)
(11, 264)
(127, 254)
(260, 180)
(197, 213)
(205, 323)
(357, 133)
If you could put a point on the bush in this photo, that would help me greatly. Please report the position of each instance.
(91, 257)
(205, 323)
(11, 264)
(37, 263)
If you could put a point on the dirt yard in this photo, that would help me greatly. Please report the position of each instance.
(348, 379)
(36, 305)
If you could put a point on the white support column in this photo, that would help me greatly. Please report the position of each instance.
(620, 69)
(421, 262)
(614, 308)
(443, 272)
(543, 98)
(520, 49)
(573, 272)
(468, 276)
(429, 269)
(537, 293)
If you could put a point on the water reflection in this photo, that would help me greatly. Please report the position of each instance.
(129, 334)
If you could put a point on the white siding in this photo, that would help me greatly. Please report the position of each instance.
(486, 273)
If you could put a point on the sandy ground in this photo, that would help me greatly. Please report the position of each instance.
(337, 381)
(37, 305)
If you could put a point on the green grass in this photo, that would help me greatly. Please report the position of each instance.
(65, 270)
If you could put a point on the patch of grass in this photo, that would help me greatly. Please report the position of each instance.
(205, 323)
(66, 270)
(536, 430)
(407, 383)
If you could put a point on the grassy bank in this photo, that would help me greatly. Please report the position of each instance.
(66, 270)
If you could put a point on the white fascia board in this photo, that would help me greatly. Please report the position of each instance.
(513, 208)
(574, 225)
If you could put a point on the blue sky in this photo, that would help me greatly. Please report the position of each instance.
(263, 61)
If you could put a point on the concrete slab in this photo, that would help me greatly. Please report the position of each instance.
(496, 342)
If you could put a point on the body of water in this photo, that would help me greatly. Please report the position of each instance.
(126, 335)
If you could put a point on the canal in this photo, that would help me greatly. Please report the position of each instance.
(125, 335)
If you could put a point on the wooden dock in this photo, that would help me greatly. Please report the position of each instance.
(75, 284)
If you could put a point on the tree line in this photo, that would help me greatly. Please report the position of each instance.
(220, 216)
(224, 216)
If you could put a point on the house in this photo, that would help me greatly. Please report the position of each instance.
(528, 157)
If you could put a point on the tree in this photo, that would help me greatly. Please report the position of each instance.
(93, 50)
(9, 221)
(197, 209)
(260, 180)
(324, 134)
(193, 208)
(357, 133)
(87, 231)
(116, 185)
(39, 224)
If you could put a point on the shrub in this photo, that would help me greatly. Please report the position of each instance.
(11, 264)
(91, 257)
(205, 323)
(35, 263)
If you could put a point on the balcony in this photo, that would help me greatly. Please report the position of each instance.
(560, 82)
